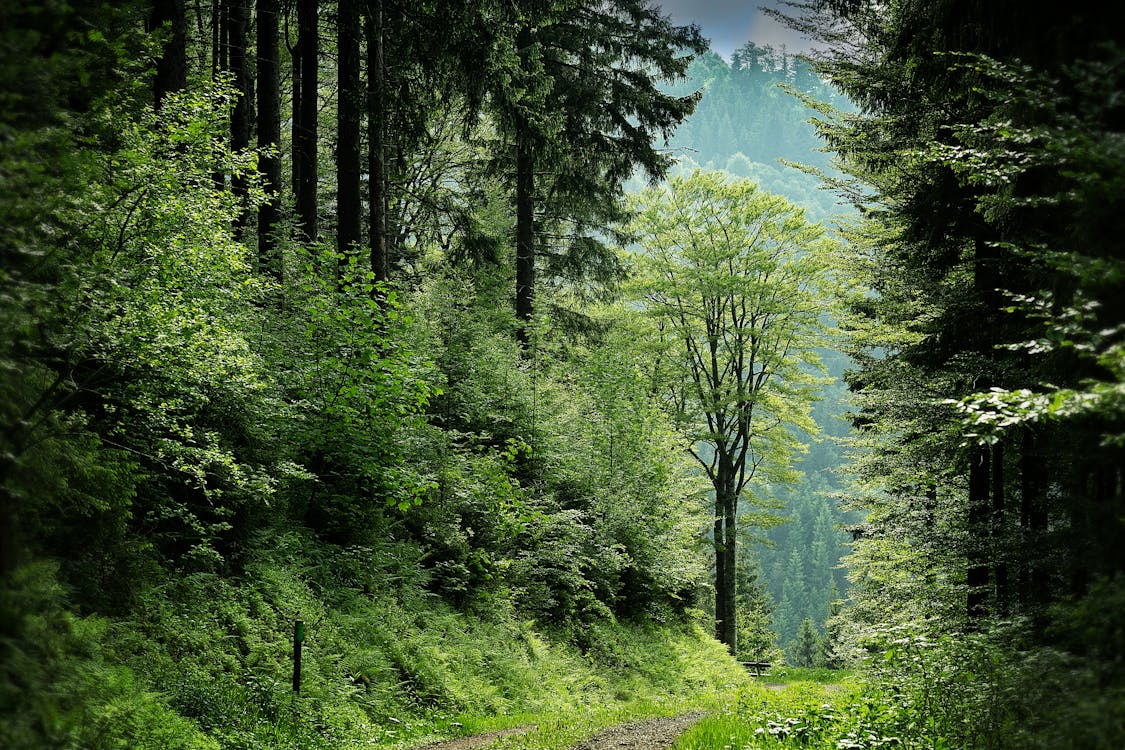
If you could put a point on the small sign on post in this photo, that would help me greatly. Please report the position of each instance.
(298, 639)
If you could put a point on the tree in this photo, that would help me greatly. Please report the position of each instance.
(237, 24)
(269, 134)
(376, 157)
(306, 105)
(733, 280)
(348, 117)
(807, 649)
(582, 114)
(168, 19)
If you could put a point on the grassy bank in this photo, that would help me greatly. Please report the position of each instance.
(205, 662)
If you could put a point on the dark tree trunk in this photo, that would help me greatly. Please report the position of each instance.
(169, 18)
(237, 26)
(719, 534)
(219, 64)
(726, 540)
(999, 532)
(9, 503)
(729, 586)
(269, 135)
(525, 237)
(377, 172)
(1033, 522)
(348, 119)
(976, 578)
(216, 38)
(305, 123)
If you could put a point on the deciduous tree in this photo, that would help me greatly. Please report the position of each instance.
(733, 280)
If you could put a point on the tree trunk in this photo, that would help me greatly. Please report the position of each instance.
(726, 539)
(237, 24)
(976, 578)
(305, 123)
(525, 236)
(730, 590)
(998, 532)
(348, 119)
(171, 66)
(218, 65)
(719, 534)
(377, 172)
(1033, 523)
(269, 135)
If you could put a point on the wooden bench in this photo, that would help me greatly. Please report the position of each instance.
(757, 667)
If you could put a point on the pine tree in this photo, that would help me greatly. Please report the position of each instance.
(581, 116)
(807, 649)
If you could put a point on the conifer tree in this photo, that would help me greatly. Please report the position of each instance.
(583, 113)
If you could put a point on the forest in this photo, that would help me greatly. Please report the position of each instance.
(525, 374)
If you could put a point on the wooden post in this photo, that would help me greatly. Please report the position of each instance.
(298, 638)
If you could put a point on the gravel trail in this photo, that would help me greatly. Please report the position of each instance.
(653, 734)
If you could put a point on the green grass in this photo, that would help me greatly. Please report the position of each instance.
(785, 675)
(803, 713)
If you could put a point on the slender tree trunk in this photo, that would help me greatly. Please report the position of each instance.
(305, 124)
(216, 38)
(525, 237)
(377, 172)
(168, 17)
(998, 532)
(294, 49)
(269, 135)
(348, 120)
(1033, 520)
(976, 578)
(218, 65)
(237, 25)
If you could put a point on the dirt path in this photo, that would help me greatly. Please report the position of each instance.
(653, 734)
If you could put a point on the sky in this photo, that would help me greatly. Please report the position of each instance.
(729, 24)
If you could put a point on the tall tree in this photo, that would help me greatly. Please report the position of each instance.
(376, 118)
(733, 278)
(238, 23)
(307, 105)
(269, 133)
(169, 19)
(348, 116)
(582, 114)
